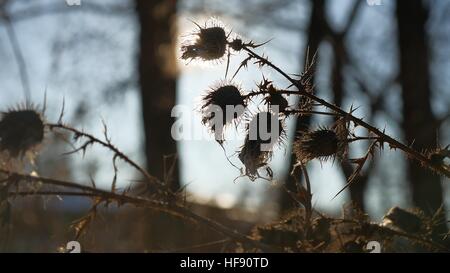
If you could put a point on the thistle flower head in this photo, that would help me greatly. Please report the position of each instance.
(221, 106)
(437, 156)
(322, 143)
(20, 131)
(236, 44)
(273, 97)
(209, 43)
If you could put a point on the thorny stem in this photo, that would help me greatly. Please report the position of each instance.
(107, 144)
(291, 111)
(306, 112)
(107, 196)
(284, 92)
(121, 198)
(50, 193)
(176, 211)
(383, 137)
(166, 207)
(362, 138)
(173, 209)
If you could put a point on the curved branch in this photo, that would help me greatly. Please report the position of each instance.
(108, 145)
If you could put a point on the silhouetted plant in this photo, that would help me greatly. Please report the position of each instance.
(322, 143)
(304, 229)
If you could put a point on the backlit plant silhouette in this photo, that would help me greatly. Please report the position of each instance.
(24, 129)
(212, 43)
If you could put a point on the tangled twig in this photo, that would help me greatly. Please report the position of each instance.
(121, 199)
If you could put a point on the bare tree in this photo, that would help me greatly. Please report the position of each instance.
(316, 32)
(419, 124)
(157, 78)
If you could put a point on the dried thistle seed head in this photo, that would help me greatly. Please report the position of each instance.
(253, 157)
(236, 44)
(266, 129)
(210, 43)
(222, 105)
(20, 131)
(322, 144)
(275, 98)
(437, 156)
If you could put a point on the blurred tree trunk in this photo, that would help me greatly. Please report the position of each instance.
(157, 78)
(316, 33)
(358, 187)
(419, 123)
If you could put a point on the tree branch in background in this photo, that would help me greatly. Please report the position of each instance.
(418, 116)
(21, 64)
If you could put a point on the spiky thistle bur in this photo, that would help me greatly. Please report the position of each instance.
(221, 106)
(437, 156)
(21, 130)
(209, 43)
(264, 130)
(273, 98)
(322, 144)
